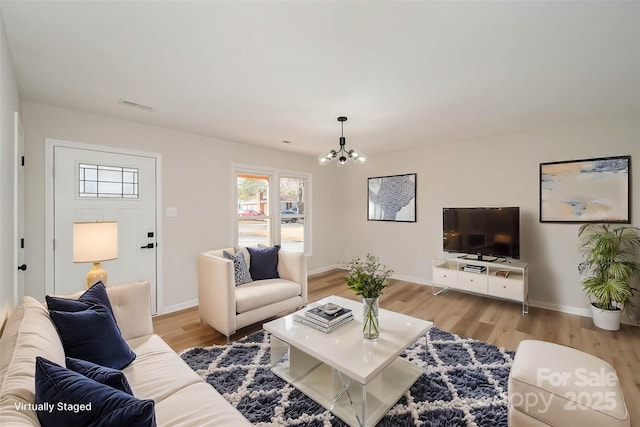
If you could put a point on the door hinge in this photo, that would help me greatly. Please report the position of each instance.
(22, 243)
(22, 160)
(54, 244)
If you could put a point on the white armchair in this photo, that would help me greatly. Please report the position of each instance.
(227, 307)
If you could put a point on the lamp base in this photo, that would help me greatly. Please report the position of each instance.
(95, 275)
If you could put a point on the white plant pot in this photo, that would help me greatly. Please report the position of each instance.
(608, 320)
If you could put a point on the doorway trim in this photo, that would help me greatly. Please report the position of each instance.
(49, 146)
(18, 209)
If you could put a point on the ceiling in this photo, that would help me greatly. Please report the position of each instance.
(407, 74)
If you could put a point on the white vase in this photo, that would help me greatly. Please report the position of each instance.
(608, 320)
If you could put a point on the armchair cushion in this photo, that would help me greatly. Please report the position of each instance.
(241, 272)
(264, 292)
(264, 263)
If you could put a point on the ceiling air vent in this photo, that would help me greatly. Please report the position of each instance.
(136, 105)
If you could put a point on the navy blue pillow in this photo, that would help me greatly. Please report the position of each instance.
(102, 374)
(70, 399)
(264, 263)
(92, 335)
(96, 294)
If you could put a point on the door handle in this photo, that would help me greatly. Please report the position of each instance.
(147, 246)
(22, 267)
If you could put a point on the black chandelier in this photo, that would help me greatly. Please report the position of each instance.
(342, 154)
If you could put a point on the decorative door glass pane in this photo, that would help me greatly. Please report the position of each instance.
(97, 181)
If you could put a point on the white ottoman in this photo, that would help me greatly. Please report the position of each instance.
(554, 385)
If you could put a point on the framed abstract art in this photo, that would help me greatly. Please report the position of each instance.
(590, 190)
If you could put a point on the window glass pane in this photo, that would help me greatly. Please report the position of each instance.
(253, 195)
(292, 196)
(252, 232)
(128, 189)
(128, 177)
(96, 181)
(91, 172)
(292, 211)
(91, 187)
(292, 234)
(109, 175)
(110, 188)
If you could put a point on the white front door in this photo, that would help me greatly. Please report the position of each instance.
(99, 185)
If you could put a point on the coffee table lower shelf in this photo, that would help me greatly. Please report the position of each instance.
(326, 386)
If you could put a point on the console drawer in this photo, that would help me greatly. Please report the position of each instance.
(473, 282)
(506, 288)
(445, 277)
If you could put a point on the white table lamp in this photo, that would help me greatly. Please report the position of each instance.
(95, 242)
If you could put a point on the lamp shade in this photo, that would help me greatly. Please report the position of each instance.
(95, 241)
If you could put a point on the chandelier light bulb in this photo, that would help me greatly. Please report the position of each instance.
(361, 158)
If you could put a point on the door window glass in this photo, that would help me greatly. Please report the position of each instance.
(97, 181)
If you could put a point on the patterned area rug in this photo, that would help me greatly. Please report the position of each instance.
(464, 384)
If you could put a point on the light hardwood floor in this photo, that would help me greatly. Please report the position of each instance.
(497, 322)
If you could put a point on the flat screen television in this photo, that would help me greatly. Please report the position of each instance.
(491, 231)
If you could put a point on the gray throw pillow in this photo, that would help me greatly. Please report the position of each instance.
(240, 269)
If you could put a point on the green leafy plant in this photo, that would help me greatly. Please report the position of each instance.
(368, 277)
(610, 261)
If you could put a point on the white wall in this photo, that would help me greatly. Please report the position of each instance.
(9, 102)
(500, 170)
(197, 179)
(496, 171)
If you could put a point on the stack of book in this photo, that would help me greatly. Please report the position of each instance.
(325, 317)
(474, 268)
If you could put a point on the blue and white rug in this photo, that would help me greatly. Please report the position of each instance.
(464, 384)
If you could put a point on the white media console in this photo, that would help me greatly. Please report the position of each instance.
(501, 279)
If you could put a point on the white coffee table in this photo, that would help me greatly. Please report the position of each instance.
(356, 379)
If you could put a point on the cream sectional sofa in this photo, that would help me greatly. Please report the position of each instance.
(181, 397)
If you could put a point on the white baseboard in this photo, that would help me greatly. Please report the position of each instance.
(177, 307)
(580, 311)
(411, 279)
(322, 269)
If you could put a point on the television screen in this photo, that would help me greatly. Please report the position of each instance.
(482, 231)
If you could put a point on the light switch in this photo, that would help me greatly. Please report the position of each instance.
(172, 212)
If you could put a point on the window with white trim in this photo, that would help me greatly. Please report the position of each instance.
(273, 208)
